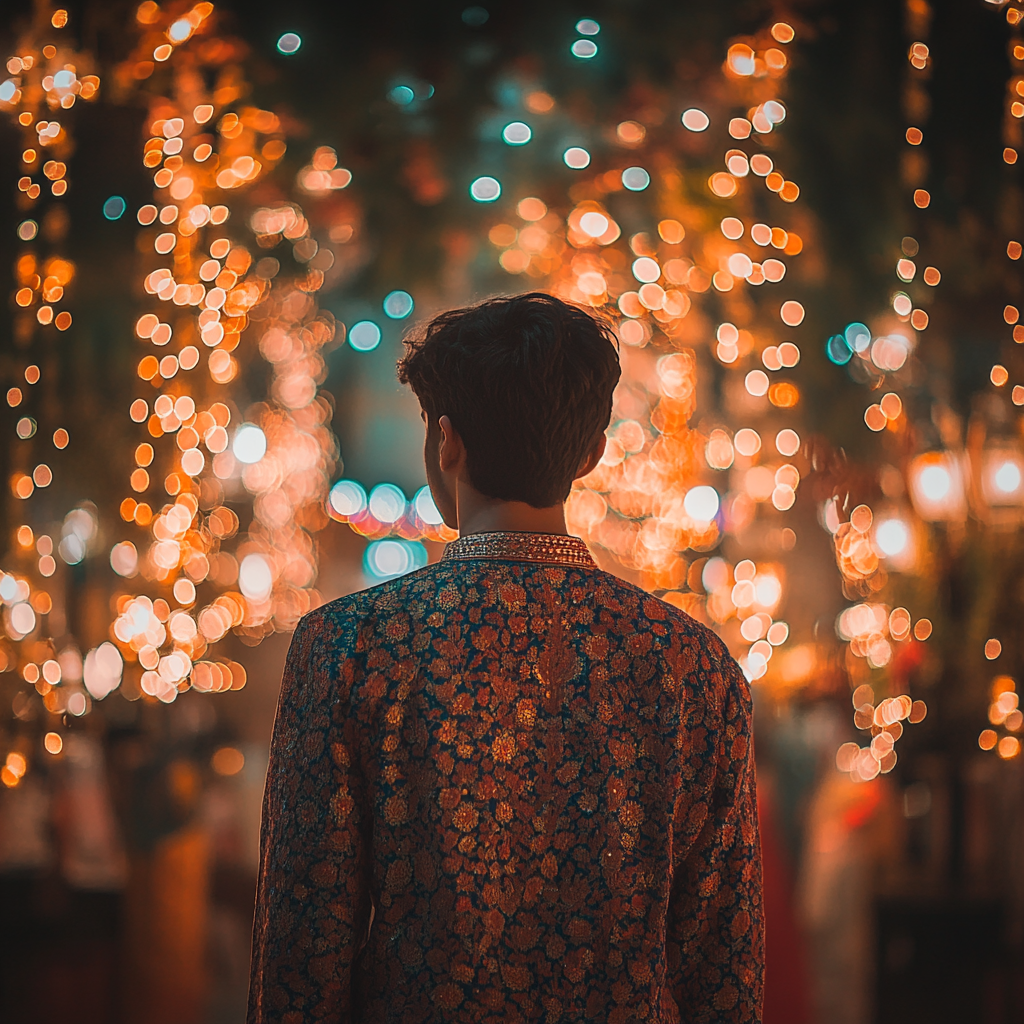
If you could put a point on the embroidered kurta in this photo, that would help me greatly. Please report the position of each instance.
(508, 787)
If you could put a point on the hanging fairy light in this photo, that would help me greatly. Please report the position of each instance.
(46, 80)
(653, 505)
(868, 545)
(215, 574)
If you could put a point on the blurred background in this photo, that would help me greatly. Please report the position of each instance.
(804, 221)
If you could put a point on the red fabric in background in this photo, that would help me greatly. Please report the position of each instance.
(786, 989)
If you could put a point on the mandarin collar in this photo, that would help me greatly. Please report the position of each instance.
(514, 546)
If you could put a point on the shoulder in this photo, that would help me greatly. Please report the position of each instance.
(692, 652)
(649, 610)
(346, 618)
(335, 645)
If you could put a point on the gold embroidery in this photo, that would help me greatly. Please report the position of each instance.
(508, 546)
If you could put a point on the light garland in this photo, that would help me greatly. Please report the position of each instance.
(705, 295)
(1004, 718)
(871, 543)
(655, 496)
(284, 457)
(46, 79)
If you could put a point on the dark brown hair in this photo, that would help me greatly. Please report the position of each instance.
(527, 382)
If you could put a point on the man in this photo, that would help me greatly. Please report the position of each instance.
(509, 787)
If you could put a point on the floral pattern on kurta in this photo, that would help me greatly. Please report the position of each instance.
(510, 791)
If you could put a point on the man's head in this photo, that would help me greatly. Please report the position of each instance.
(526, 385)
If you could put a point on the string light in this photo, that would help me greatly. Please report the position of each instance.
(47, 80)
(652, 505)
(207, 289)
(222, 504)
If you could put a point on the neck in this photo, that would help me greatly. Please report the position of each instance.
(480, 514)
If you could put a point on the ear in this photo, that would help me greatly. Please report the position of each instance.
(589, 464)
(451, 451)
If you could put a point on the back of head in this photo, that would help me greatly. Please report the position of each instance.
(527, 382)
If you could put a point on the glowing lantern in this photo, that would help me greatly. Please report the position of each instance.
(1002, 477)
(937, 487)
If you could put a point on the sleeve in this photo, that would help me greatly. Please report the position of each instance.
(716, 916)
(313, 892)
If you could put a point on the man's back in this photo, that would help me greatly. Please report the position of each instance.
(540, 778)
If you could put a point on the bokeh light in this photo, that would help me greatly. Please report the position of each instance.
(249, 444)
(585, 49)
(485, 189)
(576, 157)
(517, 133)
(364, 336)
(398, 305)
(114, 207)
(387, 559)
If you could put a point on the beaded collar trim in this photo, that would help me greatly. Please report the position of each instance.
(507, 546)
